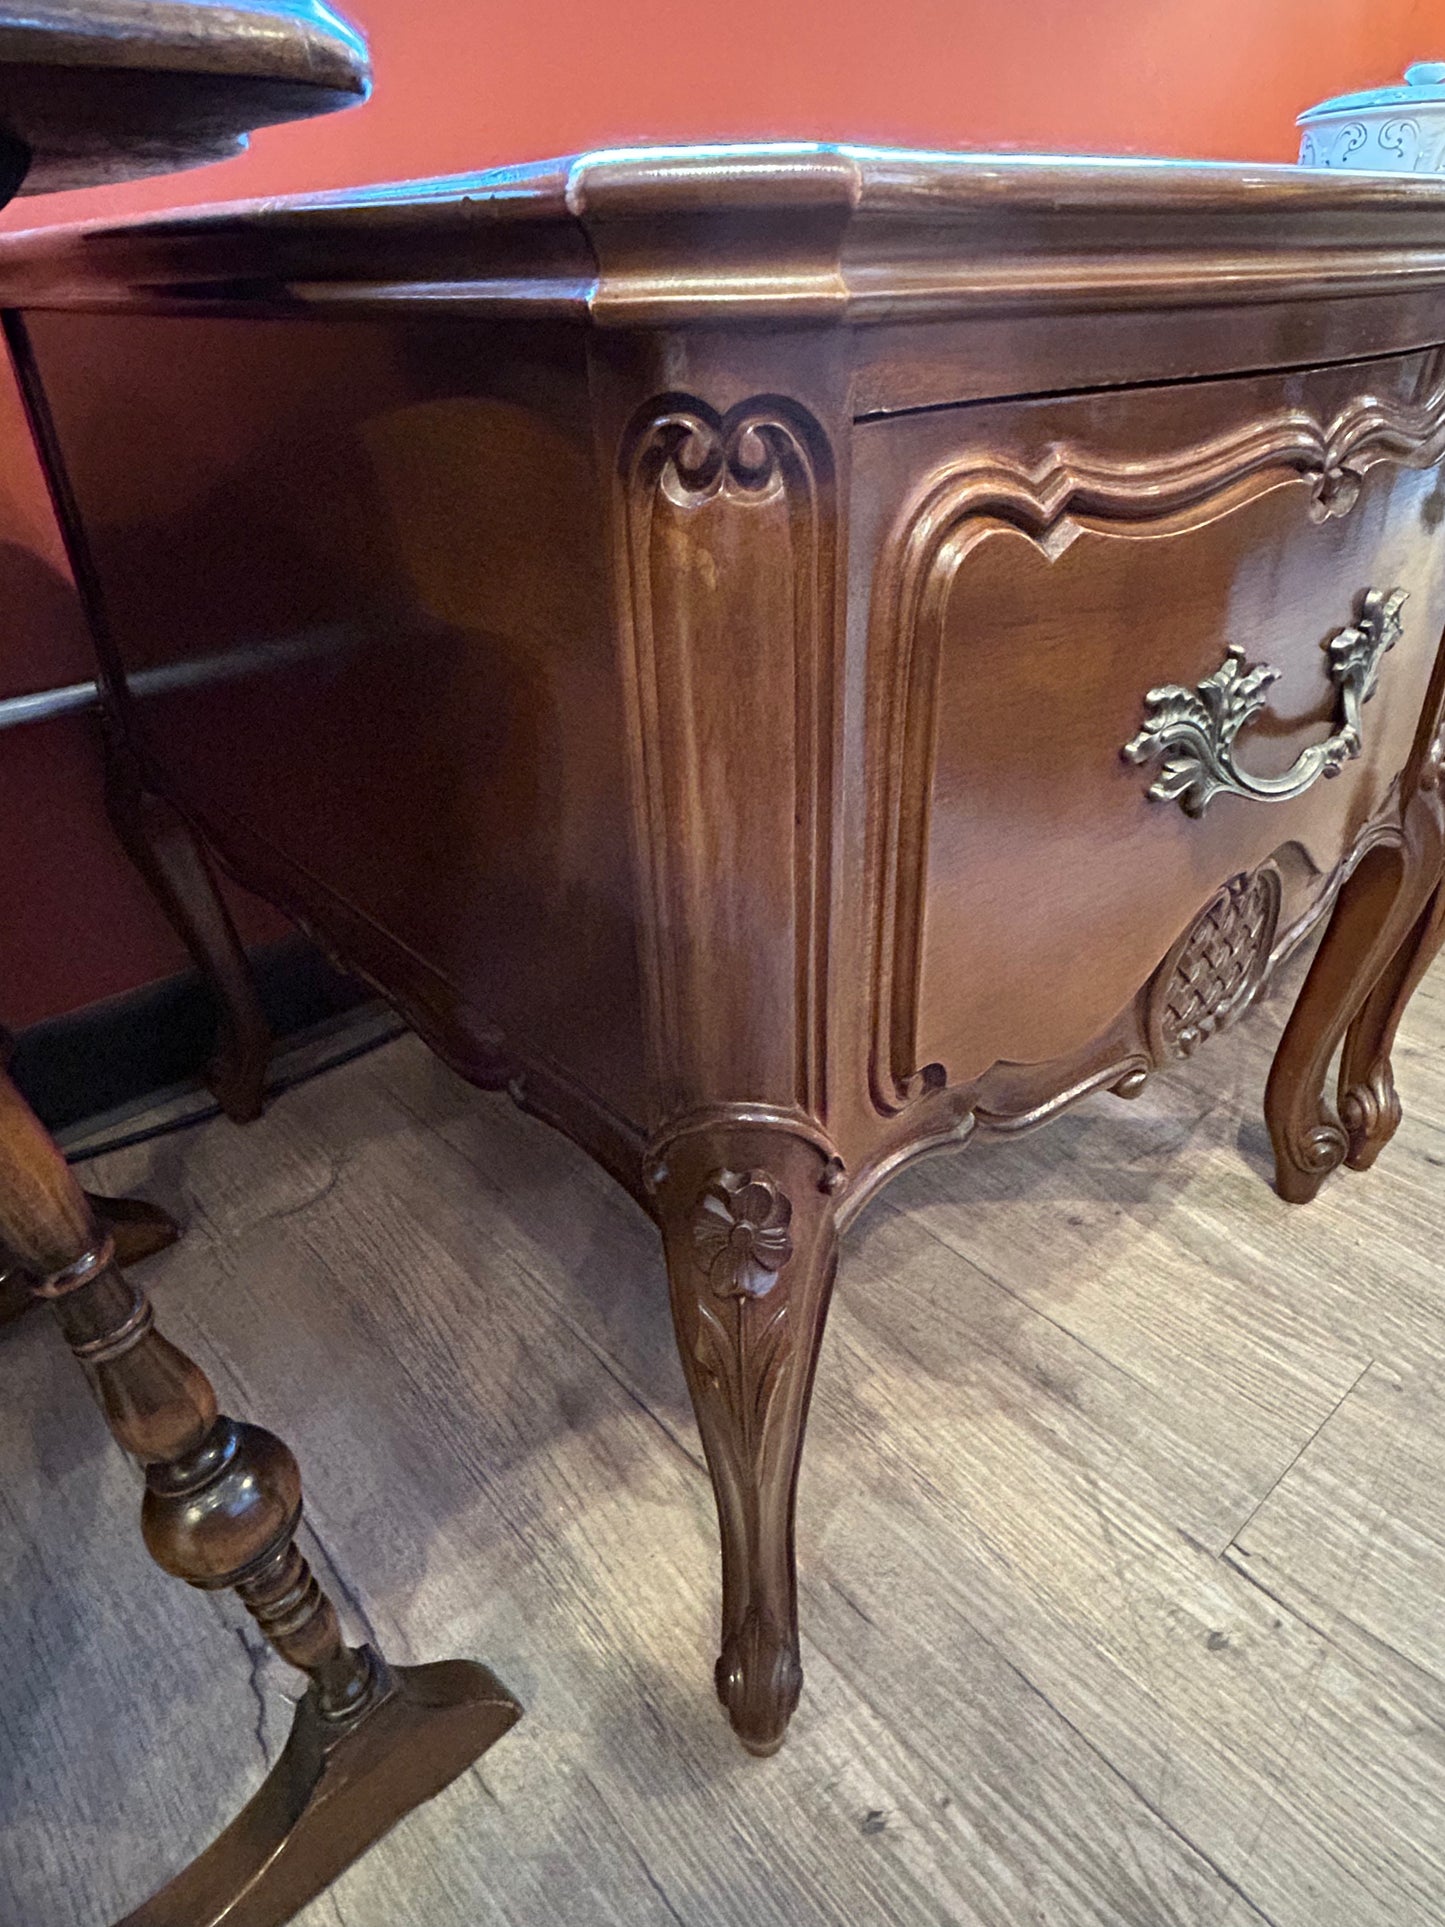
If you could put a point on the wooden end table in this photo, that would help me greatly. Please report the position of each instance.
(786, 659)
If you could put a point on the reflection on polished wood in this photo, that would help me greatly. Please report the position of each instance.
(682, 625)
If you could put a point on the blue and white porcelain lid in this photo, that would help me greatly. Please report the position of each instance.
(1423, 85)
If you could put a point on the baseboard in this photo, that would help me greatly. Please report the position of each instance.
(120, 1053)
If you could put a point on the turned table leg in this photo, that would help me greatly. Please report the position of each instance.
(138, 1228)
(751, 1249)
(221, 1508)
(170, 856)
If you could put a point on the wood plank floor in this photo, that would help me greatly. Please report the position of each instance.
(1122, 1529)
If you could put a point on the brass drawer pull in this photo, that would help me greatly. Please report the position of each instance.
(1195, 729)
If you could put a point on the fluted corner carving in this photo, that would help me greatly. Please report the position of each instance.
(685, 448)
(730, 536)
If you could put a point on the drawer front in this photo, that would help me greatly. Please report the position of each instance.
(1040, 569)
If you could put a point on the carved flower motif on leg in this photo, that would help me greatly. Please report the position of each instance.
(749, 1377)
(740, 1233)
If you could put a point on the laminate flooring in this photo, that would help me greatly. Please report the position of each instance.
(1122, 1528)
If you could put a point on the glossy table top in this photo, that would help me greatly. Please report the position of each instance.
(113, 89)
(800, 230)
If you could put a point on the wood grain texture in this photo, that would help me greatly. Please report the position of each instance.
(1119, 1600)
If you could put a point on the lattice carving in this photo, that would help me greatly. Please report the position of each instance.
(1208, 980)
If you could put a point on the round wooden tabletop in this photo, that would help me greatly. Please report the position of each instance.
(107, 90)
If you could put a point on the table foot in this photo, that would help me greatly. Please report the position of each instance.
(221, 1510)
(759, 1679)
(1369, 1103)
(139, 1229)
(338, 1786)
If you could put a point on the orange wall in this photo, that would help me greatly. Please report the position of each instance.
(467, 83)
(461, 84)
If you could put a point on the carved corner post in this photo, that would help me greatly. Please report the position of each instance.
(727, 546)
(171, 858)
(221, 1509)
(1386, 926)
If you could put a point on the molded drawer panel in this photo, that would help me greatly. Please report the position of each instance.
(1042, 567)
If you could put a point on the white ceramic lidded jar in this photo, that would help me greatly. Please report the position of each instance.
(1400, 129)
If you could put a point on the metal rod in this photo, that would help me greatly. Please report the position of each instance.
(254, 659)
(45, 703)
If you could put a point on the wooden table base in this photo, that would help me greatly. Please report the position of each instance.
(337, 1787)
(221, 1510)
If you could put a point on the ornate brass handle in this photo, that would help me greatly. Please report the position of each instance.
(1195, 729)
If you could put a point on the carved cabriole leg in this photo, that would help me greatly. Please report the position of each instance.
(168, 854)
(221, 1508)
(1380, 937)
(1369, 1105)
(751, 1246)
(1363, 931)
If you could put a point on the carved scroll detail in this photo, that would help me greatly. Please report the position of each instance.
(1070, 486)
(695, 454)
(1210, 978)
